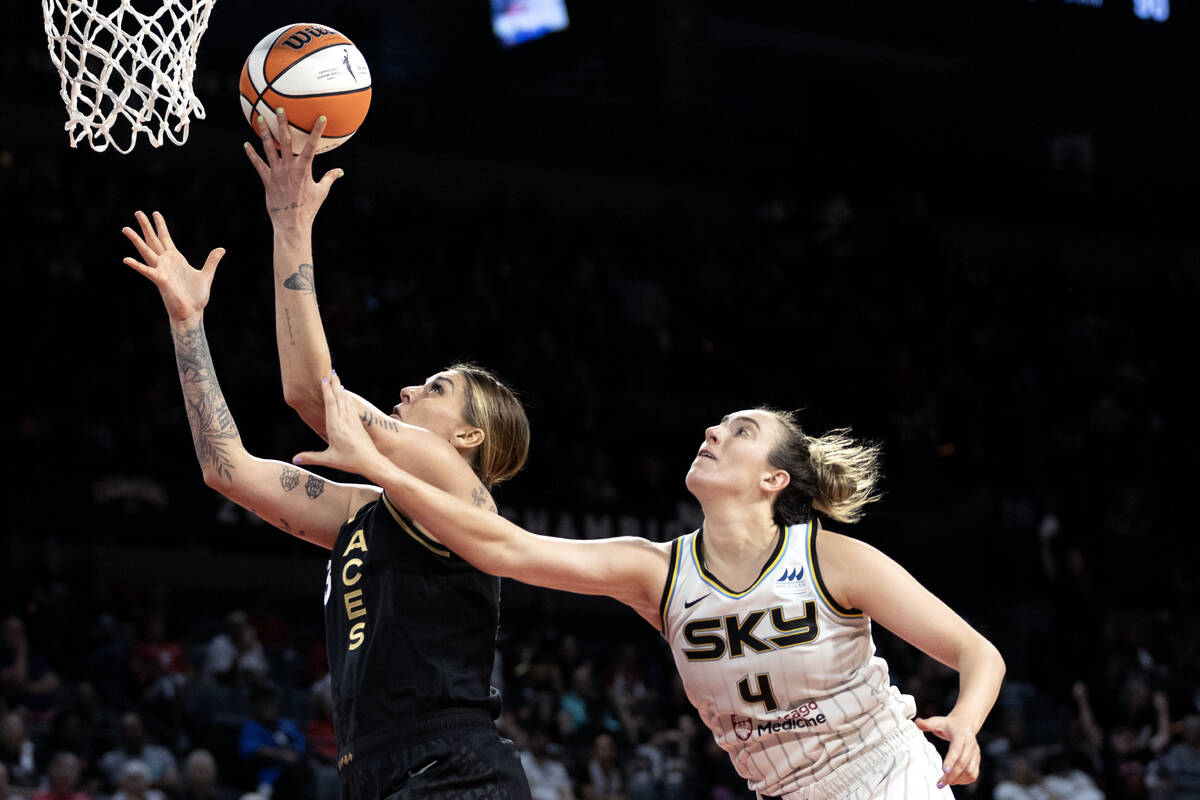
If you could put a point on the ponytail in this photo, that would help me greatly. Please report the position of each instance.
(833, 474)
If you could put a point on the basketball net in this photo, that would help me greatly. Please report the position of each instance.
(123, 66)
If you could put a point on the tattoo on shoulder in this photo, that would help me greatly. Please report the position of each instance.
(480, 497)
(314, 486)
(302, 280)
(289, 479)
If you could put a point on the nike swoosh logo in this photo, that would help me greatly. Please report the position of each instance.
(689, 604)
(415, 772)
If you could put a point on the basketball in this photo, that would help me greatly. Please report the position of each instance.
(308, 70)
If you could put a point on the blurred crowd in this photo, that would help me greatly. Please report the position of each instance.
(1032, 413)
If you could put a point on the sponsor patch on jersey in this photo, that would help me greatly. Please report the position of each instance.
(792, 581)
(743, 727)
(800, 716)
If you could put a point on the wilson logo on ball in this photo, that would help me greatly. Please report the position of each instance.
(300, 38)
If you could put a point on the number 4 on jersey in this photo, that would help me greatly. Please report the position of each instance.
(762, 694)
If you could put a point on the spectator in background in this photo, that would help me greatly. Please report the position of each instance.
(661, 768)
(97, 722)
(319, 732)
(1023, 781)
(1065, 779)
(321, 742)
(160, 766)
(158, 668)
(274, 747)
(624, 679)
(17, 752)
(157, 665)
(200, 778)
(26, 679)
(235, 655)
(62, 779)
(134, 782)
(605, 781)
(548, 777)
(269, 625)
(66, 736)
(1176, 774)
(1135, 735)
(679, 747)
(579, 705)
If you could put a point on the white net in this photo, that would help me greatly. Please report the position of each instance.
(125, 72)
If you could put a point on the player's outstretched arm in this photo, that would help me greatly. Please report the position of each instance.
(628, 569)
(293, 199)
(297, 502)
(861, 577)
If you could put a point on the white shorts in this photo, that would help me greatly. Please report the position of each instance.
(904, 766)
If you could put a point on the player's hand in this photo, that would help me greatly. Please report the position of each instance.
(184, 289)
(961, 764)
(293, 197)
(350, 446)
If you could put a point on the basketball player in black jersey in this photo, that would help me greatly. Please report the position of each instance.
(410, 627)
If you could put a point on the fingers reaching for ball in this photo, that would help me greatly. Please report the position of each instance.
(283, 133)
(270, 151)
(309, 151)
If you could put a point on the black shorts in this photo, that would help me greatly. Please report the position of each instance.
(452, 755)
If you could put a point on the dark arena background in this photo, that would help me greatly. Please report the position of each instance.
(968, 230)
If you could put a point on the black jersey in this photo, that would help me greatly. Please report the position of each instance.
(409, 626)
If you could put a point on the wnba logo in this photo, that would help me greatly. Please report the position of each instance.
(300, 38)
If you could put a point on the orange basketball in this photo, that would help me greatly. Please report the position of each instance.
(309, 70)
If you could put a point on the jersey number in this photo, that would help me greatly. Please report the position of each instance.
(761, 694)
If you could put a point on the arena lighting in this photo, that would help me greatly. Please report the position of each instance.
(518, 21)
(1157, 10)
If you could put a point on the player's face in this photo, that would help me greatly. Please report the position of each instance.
(435, 405)
(733, 457)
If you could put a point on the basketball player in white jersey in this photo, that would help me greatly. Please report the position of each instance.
(767, 614)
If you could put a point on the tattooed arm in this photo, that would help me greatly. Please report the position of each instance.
(293, 200)
(293, 500)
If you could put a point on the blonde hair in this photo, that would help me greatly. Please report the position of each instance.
(834, 474)
(494, 408)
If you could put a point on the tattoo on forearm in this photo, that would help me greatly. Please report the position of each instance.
(480, 498)
(294, 204)
(213, 429)
(289, 479)
(314, 486)
(302, 280)
(371, 419)
(287, 316)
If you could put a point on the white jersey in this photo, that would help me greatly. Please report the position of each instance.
(786, 679)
